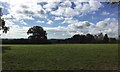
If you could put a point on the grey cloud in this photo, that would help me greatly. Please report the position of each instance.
(41, 12)
(26, 12)
(79, 27)
(87, 23)
(24, 6)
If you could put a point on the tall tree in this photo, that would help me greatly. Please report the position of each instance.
(37, 33)
(90, 38)
(2, 23)
(106, 39)
(79, 38)
(100, 36)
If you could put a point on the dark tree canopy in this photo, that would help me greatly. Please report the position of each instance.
(37, 33)
(2, 23)
(106, 39)
(89, 38)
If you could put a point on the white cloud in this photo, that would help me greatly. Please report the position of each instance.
(40, 21)
(57, 32)
(85, 8)
(105, 13)
(114, 0)
(25, 9)
(1, 7)
(28, 9)
(81, 8)
(66, 4)
(50, 1)
(70, 20)
(15, 31)
(108, 25)
(23, 22)
(77, 27)
(59, 18)
(104, 23)
(50, 6)
(49, 22)
(94, 4)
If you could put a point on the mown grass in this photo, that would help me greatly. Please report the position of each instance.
(60, 57)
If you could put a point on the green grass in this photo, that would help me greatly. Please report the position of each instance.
(60, 57)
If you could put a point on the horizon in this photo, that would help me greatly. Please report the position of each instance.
(60, 19)
(58, 38)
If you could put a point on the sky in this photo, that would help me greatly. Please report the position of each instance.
(60, 18)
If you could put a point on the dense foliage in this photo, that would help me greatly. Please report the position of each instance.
(38, 35)
(76, 39)
(2, 23)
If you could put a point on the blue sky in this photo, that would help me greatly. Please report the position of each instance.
(61, 19)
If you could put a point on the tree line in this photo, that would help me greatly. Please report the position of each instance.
(37, 35)
(87, 39)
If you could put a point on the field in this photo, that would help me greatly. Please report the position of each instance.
(60, 57)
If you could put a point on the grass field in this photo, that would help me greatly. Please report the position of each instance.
(60, 57)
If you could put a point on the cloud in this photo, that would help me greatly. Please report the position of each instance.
(105, 13)
(25, 9)
(15, 31)
(29, 9)
(59, 18)
(77, 27)
(114, 0)
(19, 11)
(59, 32)
(23, 22)
(1, 6)
(50, 6)
(104, 23)
(66, 4)
(65, 9)
(95, 5)
(40, 21)
(108, 25)
(49, 22)
(50, 1)
(80, 25)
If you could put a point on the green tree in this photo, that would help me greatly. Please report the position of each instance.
(106, 39)
(90, 38)
(2, 23)
(37, 33)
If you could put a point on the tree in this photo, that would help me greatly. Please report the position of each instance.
(119, 37)
(100, 36)
(38, 34)
(106, 39)
(76, 38)
(79, 38)
(2, 23)
(90, 38)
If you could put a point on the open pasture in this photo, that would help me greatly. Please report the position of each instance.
(60, 57)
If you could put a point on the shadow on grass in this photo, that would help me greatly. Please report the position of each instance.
(5, 48)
